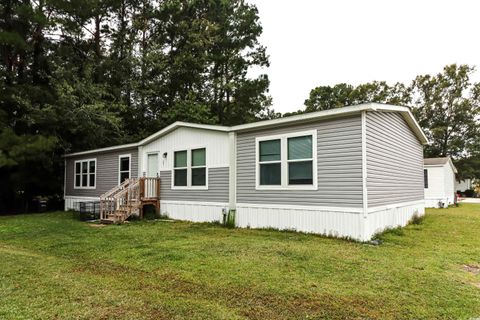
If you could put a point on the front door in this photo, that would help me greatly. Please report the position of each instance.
(152, 165)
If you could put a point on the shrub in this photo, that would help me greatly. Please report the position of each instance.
(469, 193)
(417, 219)
(230, 219)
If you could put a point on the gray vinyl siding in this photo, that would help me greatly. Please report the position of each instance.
(107, 172)
(394, 160)
(217, 187)
(339, 166)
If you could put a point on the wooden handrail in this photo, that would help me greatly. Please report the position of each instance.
(126, 198)
(116, 189)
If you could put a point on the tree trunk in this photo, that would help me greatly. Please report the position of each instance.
(97, 48)
(38, 40)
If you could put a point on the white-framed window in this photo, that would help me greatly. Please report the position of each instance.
(425, 178)
(287, 161)
(199, 167)
(190, 169)
(180, 168)
(85, 173)
(124, 167)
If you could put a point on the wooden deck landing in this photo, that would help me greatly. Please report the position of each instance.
(129, 198)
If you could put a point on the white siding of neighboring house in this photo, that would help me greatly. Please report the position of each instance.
(463, 185)
(449, 176)
(440, 181)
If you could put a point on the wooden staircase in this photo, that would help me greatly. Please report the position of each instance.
(129, 198)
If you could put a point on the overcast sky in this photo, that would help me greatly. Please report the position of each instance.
(314, 43)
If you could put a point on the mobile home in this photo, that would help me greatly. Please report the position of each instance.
(346, 172)
(439, 182)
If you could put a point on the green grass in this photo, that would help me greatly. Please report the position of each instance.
(54, 267)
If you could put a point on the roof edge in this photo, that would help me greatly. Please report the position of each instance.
(178, 124)
(449, 161)
(305, 117)
(337, 112)
(106, 149)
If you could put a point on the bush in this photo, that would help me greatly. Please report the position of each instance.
(230, 219)
(469, 193)
(416, 219)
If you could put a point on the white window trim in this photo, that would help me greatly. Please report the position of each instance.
(284, 161)
(129, 156)
(88, 174)
(189, 170)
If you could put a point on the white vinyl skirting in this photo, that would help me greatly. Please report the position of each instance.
(434, 202)
(71, 202)
(331, 221)
(392, 216)
(193, 211)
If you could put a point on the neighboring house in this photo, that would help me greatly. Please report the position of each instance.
(439, 180)
(346, 172)
(462, 186)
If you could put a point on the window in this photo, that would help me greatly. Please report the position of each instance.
(198, 167)
(270, 162)
(124, 167)
(180, 171)
(287, 161)
(85, 171)
(425, 178)
(300, 160)
(190, 169)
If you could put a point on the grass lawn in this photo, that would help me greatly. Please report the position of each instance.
(54, 267)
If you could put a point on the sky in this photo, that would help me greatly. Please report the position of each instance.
(318, 42)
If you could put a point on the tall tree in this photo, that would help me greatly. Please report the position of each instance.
(235, 97)
(83, 74)
(447, 107)
(341, 95)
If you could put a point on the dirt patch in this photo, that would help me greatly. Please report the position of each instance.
(97, 225)
(471, 268)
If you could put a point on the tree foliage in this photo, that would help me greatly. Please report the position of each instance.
(446, 106)
(341, 95)
(83, 74)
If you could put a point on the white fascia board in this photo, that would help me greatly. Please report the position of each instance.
(179, 124)
(412, 122)
(154, 136)
(452, 165)
(338, 112)
(120, 147)
(306, 117)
